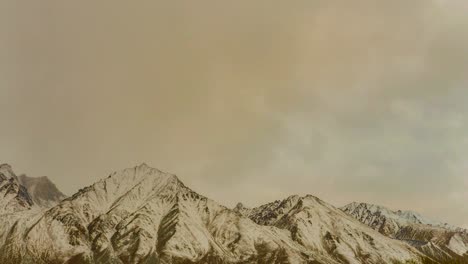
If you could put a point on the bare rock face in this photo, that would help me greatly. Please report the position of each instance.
(440, 241)
(43, 192)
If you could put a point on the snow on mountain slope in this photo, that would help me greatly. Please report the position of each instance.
(6, 171)
(329, 232)
(145, 216)
(379, 216)
(16, 204)
(142, 215)
(14, 196)
(439, 240)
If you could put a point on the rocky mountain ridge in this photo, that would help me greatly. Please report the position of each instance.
(440, 241)
(142, 215)
(14, 196)
(25, 193)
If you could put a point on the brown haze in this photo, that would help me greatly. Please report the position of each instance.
(245, 100)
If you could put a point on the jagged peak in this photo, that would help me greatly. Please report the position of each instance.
(7, 171)
(142, 177)
(375, 207)
(292, 200)
(403, 216)
(5, 165)
(313, 197)
(142, 170)
(143, 164)
(293, 197)
(352, 204)
(297, 198)
(145, 168)
(369, 206)
(240, 206)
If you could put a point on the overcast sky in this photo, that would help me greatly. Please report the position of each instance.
(246, 101)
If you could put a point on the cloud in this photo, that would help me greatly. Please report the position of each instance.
(348, 101)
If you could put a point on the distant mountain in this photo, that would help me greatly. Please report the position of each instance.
(43, 192)
(327, 231)
(388, 221)
(440, 241)
(23, 192)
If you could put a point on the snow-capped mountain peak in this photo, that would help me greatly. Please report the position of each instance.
(371, 211)
(320, 226)
(437, 240)
(23, 193)
(140, 215)
(6, 171)
(15, 197)
(144, 215)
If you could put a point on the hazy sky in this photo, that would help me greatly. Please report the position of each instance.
(246, 101)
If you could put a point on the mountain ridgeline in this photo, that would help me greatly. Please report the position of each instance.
(142, 215)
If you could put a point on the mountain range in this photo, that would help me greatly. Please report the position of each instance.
(142, 215)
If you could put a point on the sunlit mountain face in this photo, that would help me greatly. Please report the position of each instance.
(144, 215)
